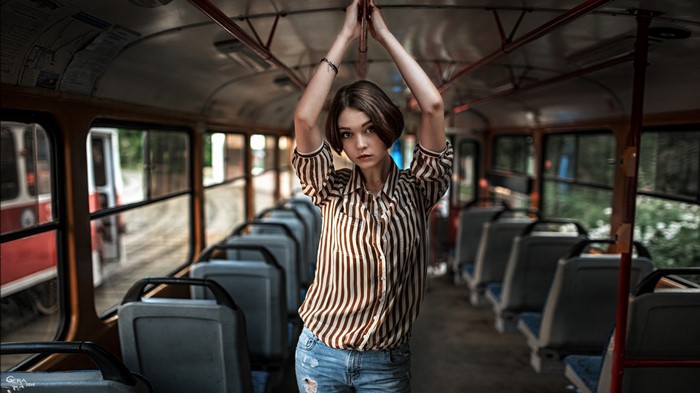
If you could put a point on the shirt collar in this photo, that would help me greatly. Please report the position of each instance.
(355, 182)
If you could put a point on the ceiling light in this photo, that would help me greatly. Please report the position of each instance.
(242, 55)
(669, 33)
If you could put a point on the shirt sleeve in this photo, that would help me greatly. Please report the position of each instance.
(432, 171)
(316, 172)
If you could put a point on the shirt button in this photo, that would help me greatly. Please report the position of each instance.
(376, 317)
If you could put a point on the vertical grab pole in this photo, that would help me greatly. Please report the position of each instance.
(630, 167)
(362, 60)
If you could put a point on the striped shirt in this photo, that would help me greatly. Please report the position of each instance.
(372, 256)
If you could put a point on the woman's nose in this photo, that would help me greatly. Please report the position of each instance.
(361, 140)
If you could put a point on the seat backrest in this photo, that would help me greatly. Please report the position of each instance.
(259, 287)
(471, 223)
(661, 325)
(297, 224)
(579, 313)
(303, 200)
(532, 263)
(297, 230)
(281, 247)
(494, 249)
(111, 376)
(311, 214)
(185, 345)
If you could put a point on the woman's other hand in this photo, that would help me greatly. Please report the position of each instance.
(377, 24)
(351, 25)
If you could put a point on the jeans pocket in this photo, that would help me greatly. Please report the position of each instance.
(398, 355)
(307, 340)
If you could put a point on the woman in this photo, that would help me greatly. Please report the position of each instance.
(372, 256)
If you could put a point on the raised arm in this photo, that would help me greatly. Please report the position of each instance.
(308, 134)
(432, 130)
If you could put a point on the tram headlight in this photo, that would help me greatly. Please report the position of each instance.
(27, 218)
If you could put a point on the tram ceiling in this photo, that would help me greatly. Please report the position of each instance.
(178, 56)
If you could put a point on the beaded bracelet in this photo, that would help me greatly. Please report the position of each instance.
(333, 67)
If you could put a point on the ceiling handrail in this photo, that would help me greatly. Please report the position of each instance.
(218, 16)
(582, 9)
(545, 82)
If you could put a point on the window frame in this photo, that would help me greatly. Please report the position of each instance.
(59, 221)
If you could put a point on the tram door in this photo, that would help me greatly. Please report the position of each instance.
(104, 159)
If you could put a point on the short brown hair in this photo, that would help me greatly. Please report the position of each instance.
(367, 97)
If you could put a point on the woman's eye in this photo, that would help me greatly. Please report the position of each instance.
(369, 130)
(345, 135)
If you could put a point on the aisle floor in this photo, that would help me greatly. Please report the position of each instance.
(456, 348)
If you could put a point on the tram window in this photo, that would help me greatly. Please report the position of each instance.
(99, 169)
(26, 176)
(224, 178)
(669, 229)
(569, 191)
(133, 165)
(8, 163)
(263, 171)
(28, 264)
(669, 163)
(560, 158)
(167, 163)
(668, 205)
(287, 181)
(467, 171)
(594, 159)
(146, 174)
(514, 153)
(224, 157)
(589, 205)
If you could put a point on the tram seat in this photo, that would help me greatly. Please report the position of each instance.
(470, 226)
(111, 375)
(282, 246)
(178, 344)
(530, 270)
(312, 215)
(259, 289)
(492, 255)
(301, 231)
(579, 312)
(303, 200)
(662, 324)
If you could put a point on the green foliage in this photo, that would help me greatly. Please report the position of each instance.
(670, 230)
(130, 149)
(207, 150)
(589, 206)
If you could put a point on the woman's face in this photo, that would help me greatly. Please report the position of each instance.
(360, 141)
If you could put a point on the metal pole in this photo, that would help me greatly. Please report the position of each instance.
(362, 59)
(630, 167)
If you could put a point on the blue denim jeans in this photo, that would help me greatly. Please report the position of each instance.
(321, 369)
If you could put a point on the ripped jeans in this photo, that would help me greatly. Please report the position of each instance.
(321, 369)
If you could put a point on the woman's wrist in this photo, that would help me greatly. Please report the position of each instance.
(345, 37)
